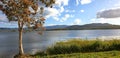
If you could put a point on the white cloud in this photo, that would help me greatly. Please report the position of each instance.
(85, 1)
(95, 20)
(115, 21)
(111, 16)
(56, 18)
(77, 22)
(9, 24)
(60, 2)
(61, 9)
(50, 24)
(109, 13)
(81, 10)
(82, 2)
(3, 17)
(70, 11)
(77, 2)
(55, 13)
(65, 18)
(65, 2)
(51, 12)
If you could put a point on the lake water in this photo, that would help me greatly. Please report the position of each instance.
(33, 41)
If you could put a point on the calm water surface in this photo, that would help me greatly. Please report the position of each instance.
(33, 41)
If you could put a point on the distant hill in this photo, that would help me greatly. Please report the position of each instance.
(8, 29)
(56, 27)
(87, 26)
(74, 27)
(94, 26)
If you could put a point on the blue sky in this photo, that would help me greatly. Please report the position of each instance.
(77, 12)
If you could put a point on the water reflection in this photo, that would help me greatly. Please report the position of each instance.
(33, 41)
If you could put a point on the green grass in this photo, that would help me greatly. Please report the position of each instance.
(109, 54)
(78, 48)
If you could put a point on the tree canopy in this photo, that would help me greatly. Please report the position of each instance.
(26, 12)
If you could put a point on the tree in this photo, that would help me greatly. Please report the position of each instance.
(28, 13)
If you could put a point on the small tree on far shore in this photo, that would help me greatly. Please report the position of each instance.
(28, 13)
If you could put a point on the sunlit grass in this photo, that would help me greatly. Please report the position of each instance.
(110, 54)
(78, 48)
(81, 46)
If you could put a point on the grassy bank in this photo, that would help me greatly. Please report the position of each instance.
(109, 54)
(76, 47)
(82, 46)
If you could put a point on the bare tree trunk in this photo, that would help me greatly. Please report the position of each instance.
(21, 52)
(20, 25)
